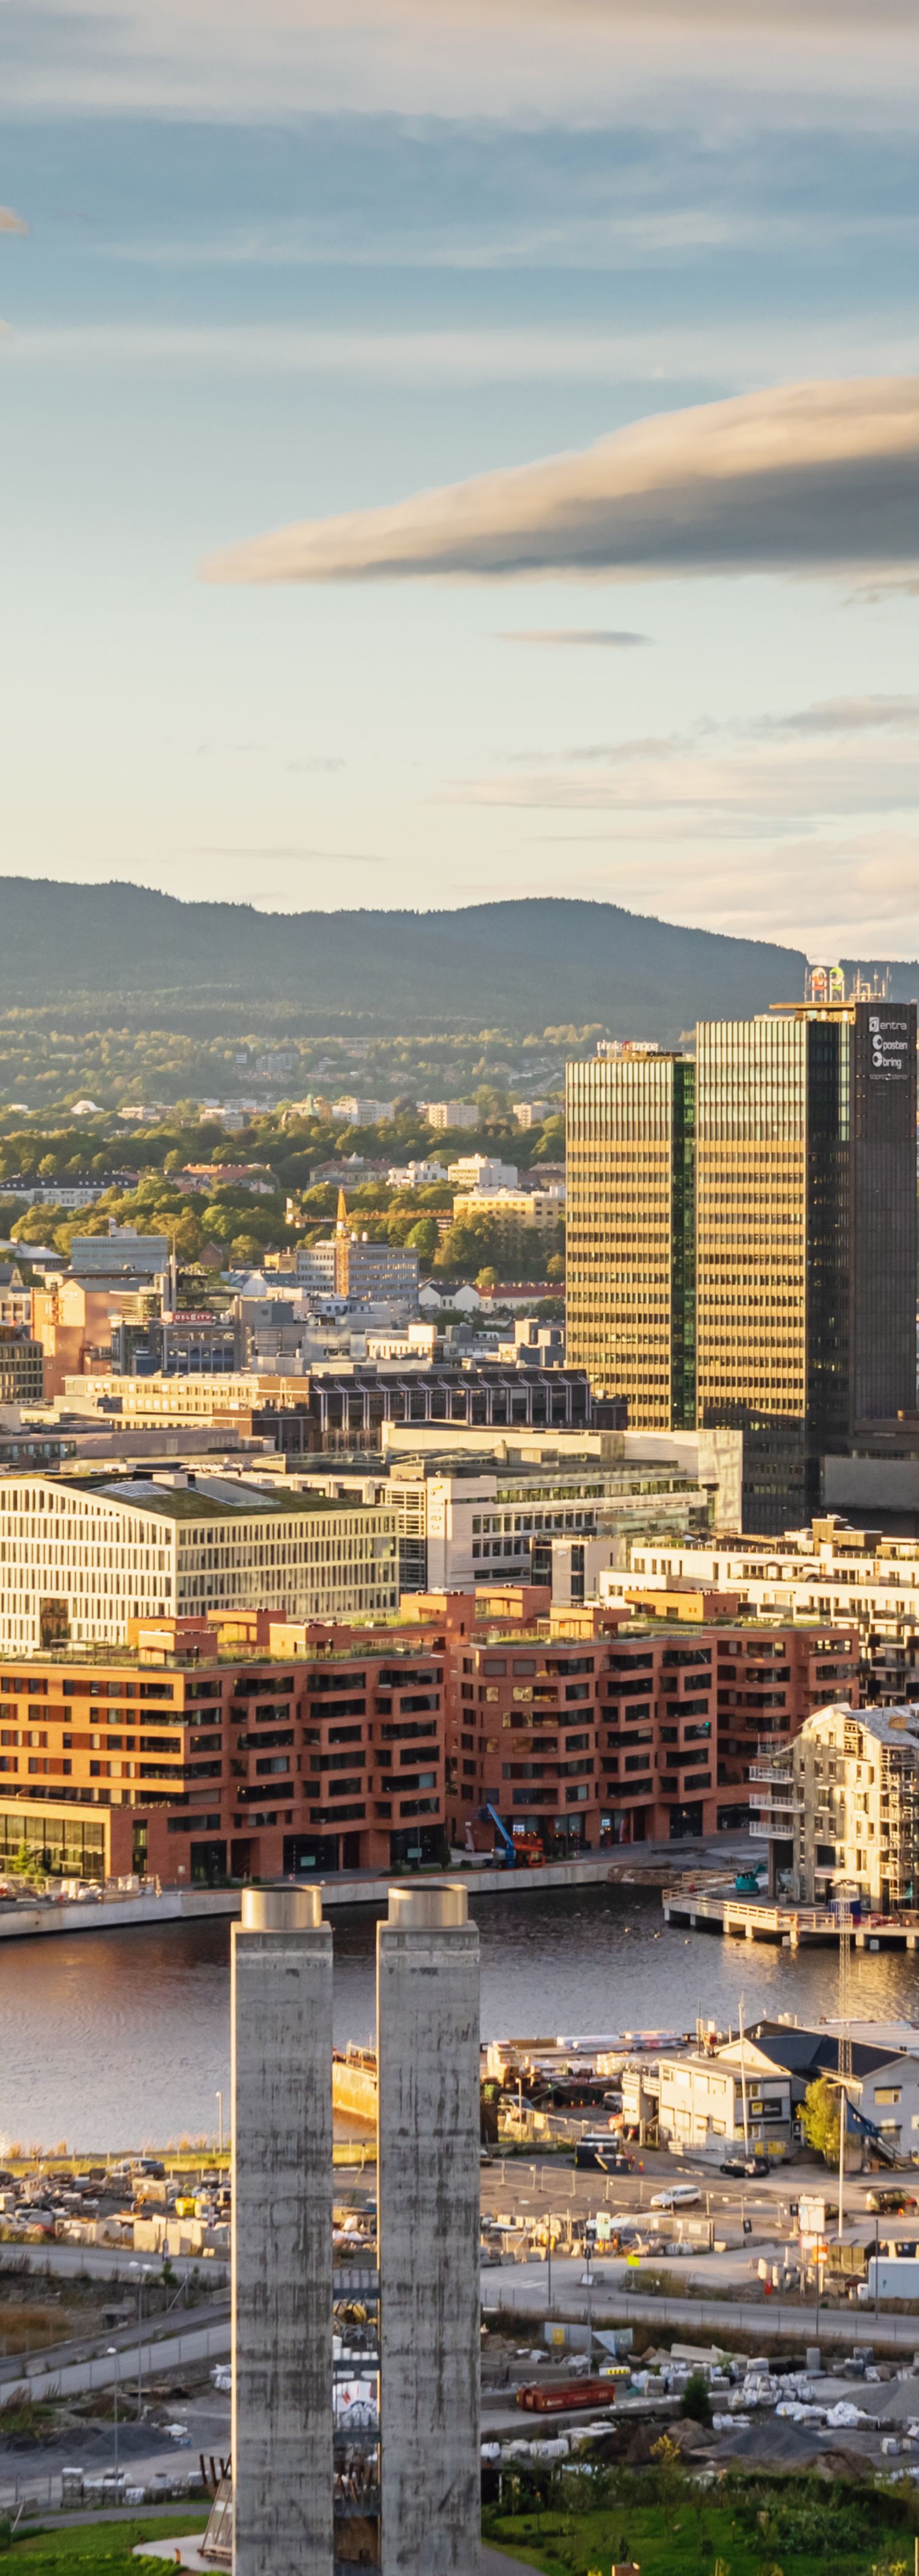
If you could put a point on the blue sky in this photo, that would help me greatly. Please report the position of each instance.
(297, 263)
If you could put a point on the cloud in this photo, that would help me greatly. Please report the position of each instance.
(846, 715)
(615, 636)
(11, 223)
(810, 478)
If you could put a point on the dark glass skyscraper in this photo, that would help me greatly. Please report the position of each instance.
(792, 1164)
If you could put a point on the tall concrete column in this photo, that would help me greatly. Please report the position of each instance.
(428, 2202)
(282, 2234)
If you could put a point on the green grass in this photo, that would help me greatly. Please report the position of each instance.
(80, 2550)
(805, 2533)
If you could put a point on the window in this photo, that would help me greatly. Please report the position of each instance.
(887, 2093)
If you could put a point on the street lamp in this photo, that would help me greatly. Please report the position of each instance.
(145, 2272)
(113, 2353)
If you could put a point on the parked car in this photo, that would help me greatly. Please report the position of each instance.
(890, 2203)
(678, 2195)
(745, 2165)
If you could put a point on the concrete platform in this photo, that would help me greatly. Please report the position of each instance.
(177, 2553)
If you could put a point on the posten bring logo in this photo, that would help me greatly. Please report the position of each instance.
(889, 1048)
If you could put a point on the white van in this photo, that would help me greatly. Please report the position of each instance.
(679, 2195)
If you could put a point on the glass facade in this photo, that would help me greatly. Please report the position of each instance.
(630, 1238)
(773, 1106)
(742, 1236)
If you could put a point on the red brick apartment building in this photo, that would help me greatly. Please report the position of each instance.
(254, 1747)
(608, 1728)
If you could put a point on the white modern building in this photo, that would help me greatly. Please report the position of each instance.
(81, 1556)
(482, 1172)
(827, 1572)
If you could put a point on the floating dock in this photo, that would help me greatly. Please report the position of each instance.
(743, 1918)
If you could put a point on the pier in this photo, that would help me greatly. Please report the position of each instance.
(743, 1918)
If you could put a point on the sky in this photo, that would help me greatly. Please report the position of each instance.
(466, 448)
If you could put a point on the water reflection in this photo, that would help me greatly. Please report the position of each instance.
(111, 2039)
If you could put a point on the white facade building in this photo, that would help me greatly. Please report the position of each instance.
(80, 1557)
(416, 1176)
(450, 1113)
(724, 2102)
(482, 1172)
(827, 1572)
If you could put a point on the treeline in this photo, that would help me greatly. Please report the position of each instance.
(231, 1221)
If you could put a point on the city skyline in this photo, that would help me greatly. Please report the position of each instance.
(356, 258)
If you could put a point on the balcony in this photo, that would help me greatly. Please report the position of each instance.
(770, 1829)
(770, 1772)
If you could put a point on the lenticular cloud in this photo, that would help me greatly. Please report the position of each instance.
(809, 478)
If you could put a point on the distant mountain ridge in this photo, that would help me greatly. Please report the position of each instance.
(524, 965)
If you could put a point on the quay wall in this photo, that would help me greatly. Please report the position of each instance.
(639, 1865)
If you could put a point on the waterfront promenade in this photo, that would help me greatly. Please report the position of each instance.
(644, 1864)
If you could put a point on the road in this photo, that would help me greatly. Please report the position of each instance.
(525, 2287)
(124, 2340)
(107, 2262)
(133, 2362)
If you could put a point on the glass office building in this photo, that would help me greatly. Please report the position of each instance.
(630, 1231)
(743, 1236)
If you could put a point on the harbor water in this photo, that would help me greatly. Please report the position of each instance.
(117, 2039)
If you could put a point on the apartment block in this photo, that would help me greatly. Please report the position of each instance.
(517, 1212)
(21, 1366)
(247, 1748)
(482, 1172)
(347, 1265)
(840, 1808)
(608, 1728)
(73, 1322)
(450, 1113)
(825, 1572)
(83, 1556)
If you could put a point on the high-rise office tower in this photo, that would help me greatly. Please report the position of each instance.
(630, 1249)
(795, 1173)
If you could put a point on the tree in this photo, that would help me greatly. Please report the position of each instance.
(555, 1266)
(820, 2119)
(697, 2402)
(186, 1236)
(246, 1252)
(486, 1279)
(422, 1239)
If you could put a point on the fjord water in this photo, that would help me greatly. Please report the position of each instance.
(117, 2039)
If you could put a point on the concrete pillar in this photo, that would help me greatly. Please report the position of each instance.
(428, 2198)
(282, 2234)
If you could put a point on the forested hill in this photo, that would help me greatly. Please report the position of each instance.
(518, 965)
